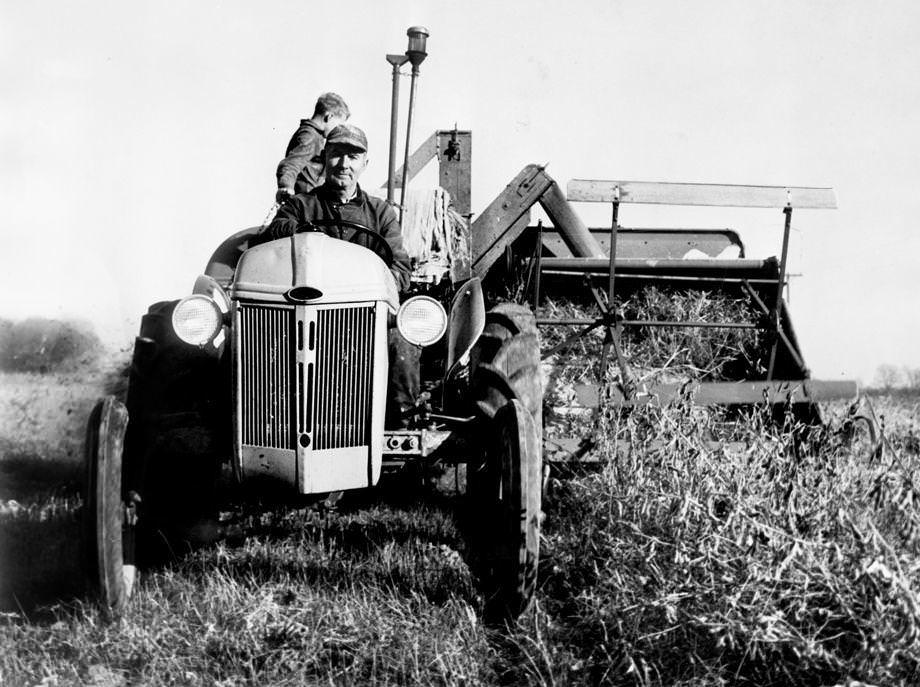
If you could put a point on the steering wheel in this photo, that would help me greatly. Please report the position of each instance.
(379, 244)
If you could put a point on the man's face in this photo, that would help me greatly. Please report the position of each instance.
(344, 165)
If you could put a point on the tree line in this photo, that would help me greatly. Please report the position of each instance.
(891, 377)
(47, 345)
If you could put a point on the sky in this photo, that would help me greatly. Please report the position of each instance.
(134, 137)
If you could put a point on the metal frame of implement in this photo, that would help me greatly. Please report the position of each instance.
(507, 218)
(743, 271)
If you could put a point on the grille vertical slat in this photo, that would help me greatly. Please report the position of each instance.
(267, 384)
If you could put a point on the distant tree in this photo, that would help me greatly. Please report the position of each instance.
(44, 345)
(6, 332)
(887, 377)
(912, 378)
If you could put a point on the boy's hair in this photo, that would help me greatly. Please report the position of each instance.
(332, 104)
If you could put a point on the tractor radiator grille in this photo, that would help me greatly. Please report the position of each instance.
(266, 375)
(334, 382)
(342, 387)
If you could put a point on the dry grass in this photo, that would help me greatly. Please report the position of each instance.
(376, 596)
(783, 564)
(787, 562)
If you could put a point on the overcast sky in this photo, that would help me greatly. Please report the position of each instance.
(135, 136)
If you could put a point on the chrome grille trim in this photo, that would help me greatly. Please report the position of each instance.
(266, 364)
(330, 378)
(342, 378)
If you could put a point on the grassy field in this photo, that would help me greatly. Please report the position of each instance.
(787, 562)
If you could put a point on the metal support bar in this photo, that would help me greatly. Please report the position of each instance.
(777, 392)
(612, 337)
(787, 211)
(538, 266)
(569, 227)
(572, 321)
(405, 176)
(661, 277)
(722, 195)
(736, 265)
(782, 335)
(572, 338)
(614, 227)
(397, 61)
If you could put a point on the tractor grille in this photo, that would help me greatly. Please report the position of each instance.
(342, 388)
(334, 381)
(266, 370)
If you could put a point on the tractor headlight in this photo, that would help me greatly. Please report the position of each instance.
(208, 286)
(421, 320)
(196, 320)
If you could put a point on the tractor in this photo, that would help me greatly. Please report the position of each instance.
(274, 369)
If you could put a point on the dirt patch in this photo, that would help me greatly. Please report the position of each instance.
(43, 416)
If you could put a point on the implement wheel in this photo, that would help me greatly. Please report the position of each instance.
(505, 482)
(108, 516)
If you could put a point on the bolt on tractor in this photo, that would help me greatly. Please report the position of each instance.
(275, 369)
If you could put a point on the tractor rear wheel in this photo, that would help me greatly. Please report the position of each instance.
(504, 482)
(509, 502)
(108, 517)
(506, 362)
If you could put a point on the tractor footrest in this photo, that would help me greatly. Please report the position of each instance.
(778, 392)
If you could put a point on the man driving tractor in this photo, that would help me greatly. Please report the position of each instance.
(341, 198)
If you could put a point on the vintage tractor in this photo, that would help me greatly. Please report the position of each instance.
(277, 364)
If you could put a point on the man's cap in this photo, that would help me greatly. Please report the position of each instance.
(347, 135)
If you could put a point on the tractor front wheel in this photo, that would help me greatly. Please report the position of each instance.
(109, 514)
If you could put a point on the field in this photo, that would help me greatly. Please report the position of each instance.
(789, 562)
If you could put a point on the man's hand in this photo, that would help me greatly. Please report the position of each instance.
(282, 194)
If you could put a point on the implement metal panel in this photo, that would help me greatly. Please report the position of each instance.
(655, 244)
(742, 268)
(750, 392)
(506, 217)
(724, 195)
(455, 157)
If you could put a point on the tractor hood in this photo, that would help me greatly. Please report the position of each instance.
(329, 269)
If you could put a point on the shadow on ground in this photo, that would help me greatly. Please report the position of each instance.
(40, 523)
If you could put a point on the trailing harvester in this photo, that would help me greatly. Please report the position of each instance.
(603, 268)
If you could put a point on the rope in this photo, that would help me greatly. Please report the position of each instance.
(271, 214)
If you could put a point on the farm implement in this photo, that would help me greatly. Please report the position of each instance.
(274, 370)
(601, 268)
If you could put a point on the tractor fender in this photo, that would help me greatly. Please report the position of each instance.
(167, 374)
(466, 323)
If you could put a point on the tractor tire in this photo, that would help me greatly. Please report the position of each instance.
(504, 480)
(508, 500)
(506, 362)
(108, 514)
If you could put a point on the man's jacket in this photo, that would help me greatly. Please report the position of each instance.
(322, 204)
